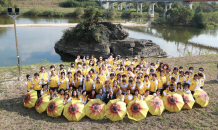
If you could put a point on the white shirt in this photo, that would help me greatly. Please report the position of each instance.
(122, 99)
(82, 100)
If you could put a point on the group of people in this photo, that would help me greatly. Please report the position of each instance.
(114, 78)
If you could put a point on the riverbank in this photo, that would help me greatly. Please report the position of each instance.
(127, 24)
(15, 116)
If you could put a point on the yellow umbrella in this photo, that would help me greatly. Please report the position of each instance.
(42, 103)
(173, 102)
(30, 99)
(155, 105)
(55, 107)
(74, 110)
(201, 97)
(188, 100)
(115, 110)
(94, 109)
(149, 97)
(137, 110)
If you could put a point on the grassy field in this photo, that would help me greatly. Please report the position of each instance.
(15, 116)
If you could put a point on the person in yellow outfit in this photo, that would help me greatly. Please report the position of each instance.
(86, 60)
(180, 78)
(53, 81)
(70, 91)
(64, 82)
(146, 83)
(77, 60)
(124, 84)
(111, 79)
(72, 69)
(186, 88)
(110, 59)
(145, 95)
(75, 95)
(29, 83)
(84, 70)
(52, 67)
(88, 84)
(135, 61)
(107, 86)
(136, 96)
(43, 75)
(150, 75)
(201, 71)
(175, 73)
(55, 94)
(115, 87)
(132, 85)
(70, 78)
(67, 98)
(140, 86)
(193, 82)
(157, 94)
(61, 70)
(186, 77)
(37, 84)
(99, 85)
(172, 83)
(165, 67)
(102, 75)
(168, 74)
(83, 97)
(93, 59)
(166, 91)
(62, 94)
(161, 81)
(44, 90)
(191, 73)
(127, 61)
(119, 61)
(153, 84)
(77, 81)
(120, 95)
(179, 87)
(128, 97)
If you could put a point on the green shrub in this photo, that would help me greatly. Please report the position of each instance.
(78, 12)
(34, 12)
(48, 13)
(1, 9)
(73, 3)
(15, 6)
(109, 13)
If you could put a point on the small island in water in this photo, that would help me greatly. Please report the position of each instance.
(92, 36)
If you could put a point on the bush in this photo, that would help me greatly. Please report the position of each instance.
(109, 14)
(48, 13)
(33, 12)
(73, 3)
(15, 6)
(1, 9)
(78, 12)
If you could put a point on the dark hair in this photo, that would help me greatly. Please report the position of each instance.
(147, 90)
(52, 66)
(161, 71)
(195, 75)
(36, 74)
(83, 91)
(42, 67)
(123, 75)
(181, 72)
(151, 70)
(186, 72)
(173, 78)
(138, 77)
(72, 64)
(61, 90)
(191, 68)
(27, 76)
(201, 69)
(179, 83)
(111, 74)
(180, 67)
(61, 65)
(200, 74)
(136, 90)
(100, 89)
(158, 90)
(62, 73)
(167, 86)
(175, 68)
(146, 76)
(186, 84)
(128, 89)
(69, 73)
(78, 71)
(154, 75)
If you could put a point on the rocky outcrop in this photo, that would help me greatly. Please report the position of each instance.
(129, 47)
(137, 47)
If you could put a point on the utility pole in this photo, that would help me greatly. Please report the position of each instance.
(14, 16)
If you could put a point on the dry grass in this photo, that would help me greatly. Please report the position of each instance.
(15, 116)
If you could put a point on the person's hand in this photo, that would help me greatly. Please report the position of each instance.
(88, 98)
(108, 95)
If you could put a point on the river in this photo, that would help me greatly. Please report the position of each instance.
(37, 43)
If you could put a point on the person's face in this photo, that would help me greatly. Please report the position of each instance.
(196, 77)
(182, 74)
(87, 58)
(147, 93)
(118, 76)
(172, 80)
(36, 77)
(88, 78)
(165, 67)
(174, 71)
(107, 83)
(72, 65)
(152, 72)
(138, 80)
(158, 92)
(69, 75)
(179, 86)
(90, 72)
(128, 92)
(161, 73)
(153, 77)
(78, 57)
(136, 92)
(115, 83)
(84, 66)
(50, 91)
(167, 71)
(100, 91)
(45, 87)
(124, 78)
(186, 86)
(62, 92)
(70, 89)
(142, 58)
(119, 92)
(74, 93)
(42, 69)
(146, 78)
(55, 92)
(66, 96)
(62, 67)
(62, 75)
(127, 59)
(84, 94)
(93, 92)
(80, 88)
(111, 93)
(111, 76)
(76, 76)
(167, 88)
(98, 79)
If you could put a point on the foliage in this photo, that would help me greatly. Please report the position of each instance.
(78, 12)
(6, 3)
(34, 12)
(1, 9)
(109, 13)
(44, 61)
(74, 3)
(16, 6)
(92, 15)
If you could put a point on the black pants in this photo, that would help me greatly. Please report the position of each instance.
(192, 92)
(38, 93)
(53, 88)
(151, 93)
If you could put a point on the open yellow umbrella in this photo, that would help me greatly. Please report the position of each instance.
(201, 97)
(30, 99)
(74, 110)
(42, 103)
(188, 100)
(137, 110)
(115, 110)
(173, 102)
(155, 105)
(94, 109)
(55, 107)
(149, 97)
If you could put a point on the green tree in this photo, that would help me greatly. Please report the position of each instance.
(92, 15)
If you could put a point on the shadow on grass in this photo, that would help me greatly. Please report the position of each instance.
(211, 82)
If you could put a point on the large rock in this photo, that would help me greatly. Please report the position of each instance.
(129, 47)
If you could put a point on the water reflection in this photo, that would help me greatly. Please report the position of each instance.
(178, 41)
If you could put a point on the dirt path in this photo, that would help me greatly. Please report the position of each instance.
(63, 25)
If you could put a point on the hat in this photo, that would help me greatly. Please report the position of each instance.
(100, 57)
(135, 58)
(118, 56)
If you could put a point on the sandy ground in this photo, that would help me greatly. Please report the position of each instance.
(65, 25)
